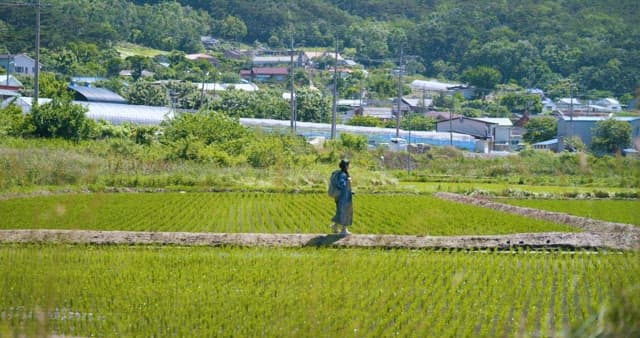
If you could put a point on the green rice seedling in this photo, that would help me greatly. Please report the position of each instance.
(176, 291)
(259, 212)
(622, 211)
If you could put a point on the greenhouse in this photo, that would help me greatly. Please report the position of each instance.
(116, 113)
(376, 136)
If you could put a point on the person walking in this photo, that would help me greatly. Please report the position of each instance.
(344, 199)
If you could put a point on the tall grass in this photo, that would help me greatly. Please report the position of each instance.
(35, 163)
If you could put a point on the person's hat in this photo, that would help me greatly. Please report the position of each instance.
(344, 163)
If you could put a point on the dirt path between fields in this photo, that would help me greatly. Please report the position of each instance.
(597, 235)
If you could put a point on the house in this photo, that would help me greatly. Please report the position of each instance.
(548, 104)
(209, 41)
(92, 94)
(569, 105)
(299, 60)
(203, 57)
(236, 54)
(10, 83)
(503, 133)
(418, 105)
(381, 113)
(265, 74)
(582, 127)
(547, 145)
(479, 129)
(214, 86)
(440, 115)
(434, 87)
(18, 64)
(607, 105)
(129, 73)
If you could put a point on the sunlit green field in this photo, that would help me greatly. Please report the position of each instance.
(149, 291)
(403, 214)
(511, 189)
(621, 211)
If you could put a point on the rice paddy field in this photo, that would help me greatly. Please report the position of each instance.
(620, 211)
(400, 214)
(77, 290)
(142, 291)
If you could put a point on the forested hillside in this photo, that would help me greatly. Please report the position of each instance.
(593, 43)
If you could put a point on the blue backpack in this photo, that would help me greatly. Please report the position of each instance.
(334, 190)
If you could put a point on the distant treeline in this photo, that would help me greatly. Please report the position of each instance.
(593, 43)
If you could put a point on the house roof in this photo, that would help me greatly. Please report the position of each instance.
(247, 87)
(418, 102)
(569, 101)
(96, 94)
(433, 85)
(6, 92)
(501, 121)
(547, 142)
(270, 71)
(199, 56)
(273, 59)
(599, 118)
(315, 54)
(13, 82)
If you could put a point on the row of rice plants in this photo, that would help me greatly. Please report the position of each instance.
(176, 291)
(260, 212)
(621, 211)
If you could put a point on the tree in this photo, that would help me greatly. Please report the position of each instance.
(233, 28)
(138, 64)
(53, 86)
(520, 103)
(145, 93)
(61, 118)
(207, 128)
(610, 136)
(540, 129)
(311, 106)
(364, 121)
(418, 122)
(13, 122)
(483, 77)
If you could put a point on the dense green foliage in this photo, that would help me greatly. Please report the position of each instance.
(611, 136)
(535, 44)
(61, 118)
(170, 291)
(540, 129)
(139, 157)
(260, 213)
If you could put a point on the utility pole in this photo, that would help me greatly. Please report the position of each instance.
(36, 77)
(293, 92)
(570, 110)
(334, 112)
(451, 123)
(400, 89)
(204, 77)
